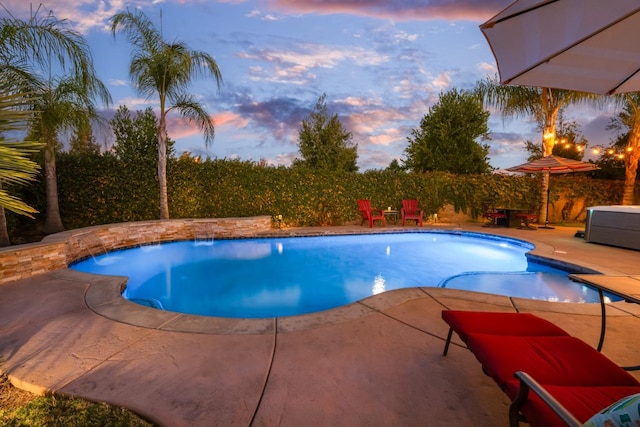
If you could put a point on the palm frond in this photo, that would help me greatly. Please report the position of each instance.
(159, 67)
(21, 77)
(525, 101)
(192, 110)
(138, 29)
(15, 165)
(65, 104)
(208, 66)
(16, 205)
(42, 39)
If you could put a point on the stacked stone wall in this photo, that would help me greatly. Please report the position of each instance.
(59, 250)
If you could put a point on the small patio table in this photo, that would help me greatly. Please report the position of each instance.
(511, 219)
(625, 287)
(392, 215)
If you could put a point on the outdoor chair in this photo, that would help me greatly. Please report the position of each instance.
(369, 214)
(410, 211)
(552, 378)
(493, 215)
(526, 219)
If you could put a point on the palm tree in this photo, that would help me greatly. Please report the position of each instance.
(64, 104)
(42, 41)
(15, 166)
(32, 48)
(166, 69)
(544, 104)
(629, 118)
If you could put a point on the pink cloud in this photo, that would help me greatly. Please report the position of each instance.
(179, 127)
(472, 10)
(229, 119)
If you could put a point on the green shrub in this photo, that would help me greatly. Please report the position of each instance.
(100, 189)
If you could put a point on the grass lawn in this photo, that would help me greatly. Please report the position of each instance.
(21, 408)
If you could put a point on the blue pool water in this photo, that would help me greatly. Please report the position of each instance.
(275, 277)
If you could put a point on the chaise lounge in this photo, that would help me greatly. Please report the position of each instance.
(552, 378)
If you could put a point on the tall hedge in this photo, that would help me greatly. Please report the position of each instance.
(100, 189)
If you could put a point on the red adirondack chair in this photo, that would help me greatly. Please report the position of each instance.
(369, 214)
(410, 211)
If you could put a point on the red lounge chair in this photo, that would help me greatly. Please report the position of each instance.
(410, 211)
(552, 378)
(369, 214)
(465, 323)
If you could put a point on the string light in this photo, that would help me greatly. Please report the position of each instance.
(579, 147)
(613, 152)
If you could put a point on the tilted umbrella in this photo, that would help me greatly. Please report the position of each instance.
(553, 164)
(580, 45)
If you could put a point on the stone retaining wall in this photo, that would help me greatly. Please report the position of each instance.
(59, 250)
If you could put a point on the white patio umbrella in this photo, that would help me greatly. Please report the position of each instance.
(555, 165)
(581, 45)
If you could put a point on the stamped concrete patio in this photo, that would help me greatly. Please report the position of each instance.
(377, 362)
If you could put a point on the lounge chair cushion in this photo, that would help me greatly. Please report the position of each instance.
(580, 401)
(499, 323)
(625, 412)
(575, 374)
(551, 360)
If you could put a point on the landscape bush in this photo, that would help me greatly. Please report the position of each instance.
(101, 189)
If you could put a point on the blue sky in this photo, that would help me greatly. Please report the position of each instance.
(381, 63)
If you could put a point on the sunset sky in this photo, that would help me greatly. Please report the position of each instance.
(381, 63)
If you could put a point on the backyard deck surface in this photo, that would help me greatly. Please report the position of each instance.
(377, 362)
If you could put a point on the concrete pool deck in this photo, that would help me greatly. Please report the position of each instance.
(377, 362)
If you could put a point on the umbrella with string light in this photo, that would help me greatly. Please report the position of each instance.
(555, 165)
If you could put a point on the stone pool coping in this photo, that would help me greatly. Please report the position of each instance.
(104, 295)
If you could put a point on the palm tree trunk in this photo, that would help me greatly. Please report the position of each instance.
(53, 221)
(548, 141)
(631, 164)
(630, 173)
(550, 118)
(4, 233)
(162, 167)
(544, 199)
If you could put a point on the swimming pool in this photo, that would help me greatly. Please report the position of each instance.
(273, 277)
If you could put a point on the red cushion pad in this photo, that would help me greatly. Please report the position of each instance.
(495, 323)
(582, 402)
(551, 360)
